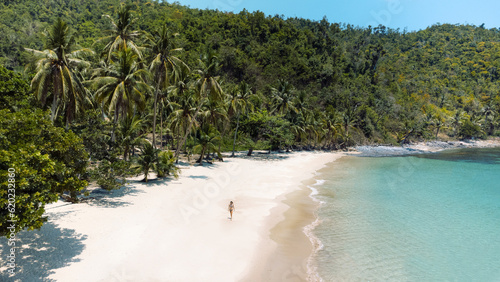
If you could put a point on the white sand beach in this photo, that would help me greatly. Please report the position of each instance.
(172, 230)
(179, 230)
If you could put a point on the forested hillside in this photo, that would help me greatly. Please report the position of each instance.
(209, 81)
(388, 82)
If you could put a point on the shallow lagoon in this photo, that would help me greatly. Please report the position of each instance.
(430, 217)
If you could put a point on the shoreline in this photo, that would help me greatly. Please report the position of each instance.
(306, 270)
(425, 148)
(175, 230)
(382, 151)
(289, 250)
(317, 245)
(166, 228)
(286, 250)
(422, 147)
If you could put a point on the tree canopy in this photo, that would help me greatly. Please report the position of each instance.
(47, 161)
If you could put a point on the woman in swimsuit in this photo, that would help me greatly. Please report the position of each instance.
(231, 209)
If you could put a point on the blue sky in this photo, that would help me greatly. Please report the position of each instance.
(410, 14)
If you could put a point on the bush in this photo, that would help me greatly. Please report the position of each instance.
(166, 165)
(468, 130)
(110, 175)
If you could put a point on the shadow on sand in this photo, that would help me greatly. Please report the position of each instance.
(265, 155)
(114, 198)
(111, 199)
(40, 252)
(198, 177)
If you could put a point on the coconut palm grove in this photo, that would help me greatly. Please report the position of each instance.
(92, 92)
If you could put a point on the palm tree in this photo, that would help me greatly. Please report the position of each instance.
(240, 104)
(283, 98)
(165, 66)
(313, 128)
(166, 107)
(489, 114)
(208, 80)
(456, 121)
(213, 112)
(348, 120)
(56, 72)
(178, 96)
(206, 142)
(146, 160)
(120, 86)
(121, 35)
(207, 85)
(298, 132)
(129, 133)
(301, 102)
(166, 165)
(331, 123)
(180, 86)
(439, 120)
(184, 115)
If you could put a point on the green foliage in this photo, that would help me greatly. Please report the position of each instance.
(388, 74)
(147, 160)
(470, 130)
(56, 72)
(14, 91)
(130, 134)
(48, 162)
(106, 168)
(110, 175)
(166, 165)
(120, 86)
(206, 141)
(121, 36)
(275, 130)
(262, 82)
(96, 136)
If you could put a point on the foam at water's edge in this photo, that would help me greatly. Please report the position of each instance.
(314, 191)
(312, 270)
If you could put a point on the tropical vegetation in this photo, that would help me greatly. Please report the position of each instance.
(95, 91)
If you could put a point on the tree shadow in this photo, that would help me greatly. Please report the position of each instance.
(183, 164)
(157, 181)
(266, 156)
(40, 252)
(198, 176)
(111, 199)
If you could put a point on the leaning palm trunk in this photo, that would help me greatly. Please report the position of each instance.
(154, 113)
(146, 172)
(188, 130)
(53, 109)
(200, 160)
(224, 128)
(161, 129)
(236, 133)
(126, 151)
(113, 138)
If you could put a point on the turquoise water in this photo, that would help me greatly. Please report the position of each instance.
(432, 217)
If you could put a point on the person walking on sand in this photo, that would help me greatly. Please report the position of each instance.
(231, 209)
